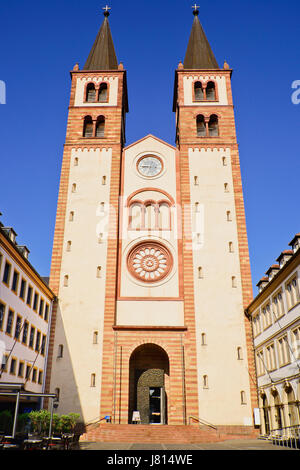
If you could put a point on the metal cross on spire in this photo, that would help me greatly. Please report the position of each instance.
(106, 10)
(196, 9)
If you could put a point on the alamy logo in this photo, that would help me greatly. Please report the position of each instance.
(2, 92)
(296, 94)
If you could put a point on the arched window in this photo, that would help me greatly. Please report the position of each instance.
(103, 93)
(136, 216)
(213, 126)
(91, 93)
(198, 91)
(211, 91)
(164, 216)
(201, 128)
(100, 127)
(150, 216)
(88, 127)
(243, 398)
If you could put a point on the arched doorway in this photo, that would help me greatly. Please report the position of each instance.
(148, 384)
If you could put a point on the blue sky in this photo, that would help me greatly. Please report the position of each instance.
(41, 42)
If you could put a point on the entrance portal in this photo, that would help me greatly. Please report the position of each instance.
(149, 370)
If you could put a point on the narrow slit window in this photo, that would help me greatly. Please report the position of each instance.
(229, 219)
(205, 381)
(93, 380)
(74, 188)
(226, 188)
(224, 161)
(196, 181)
(103, 180)
(76, 160)
(200, 272)
(230, 245)
(233, 282)
(203, 339)
(243, 398)
(71, 216)
(95, 337)
(239, 353)
(69, 245)
(60, 353)
(66, 281)
(99, 272)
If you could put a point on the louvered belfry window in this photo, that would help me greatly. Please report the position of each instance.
(199, 95)
(88, 127)
(103, 93)
(100, 126)
(90, 93)
(211, 91)
(201, 128)
(213, 126)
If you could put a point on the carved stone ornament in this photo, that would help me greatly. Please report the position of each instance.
(149, 262)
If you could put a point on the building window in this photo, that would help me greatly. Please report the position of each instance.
(91, 93)
(103, 93)
(99, 271)
(100, 127)
(243, 398)
(203, 339)
(224, 161)
(88, 128)
(29, 296)
(31, 337)
(260, 363)
(38, 341)
(23, 289)
(57, 393)
(15, 282)
(211, 91)
(278, 305)
(233, 282)
(35, 301)
(66, 281)
(213, 126)
(21, 369)
(229, 218)
(292, 292)
(69, 244)
(256, 325)
(230, 246)
(103, 180)
(270, 357)
(267, 316)
(6, 273)
(71, 216)
(198, 91)
(95, 337)
(25, 332)
(46, 314)
(34, 375)
(283, 351)
(226, 188)
(76, 161)
(41, 309)
(28, 371)
(296, 343)
(201, 127)
(43, 347)
(13, 365)
(40, 379)
(205, 381)
(18, 327)
(93, 380)
(9, 324)
(4, 362)
(2, 313)
(239, 353)
(60, 353)
(74, 188)
(200, 272)
(196, 181)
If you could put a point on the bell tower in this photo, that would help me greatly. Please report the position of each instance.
(83, 271)
(216, 263)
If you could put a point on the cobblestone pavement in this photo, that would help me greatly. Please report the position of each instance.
(227, 445)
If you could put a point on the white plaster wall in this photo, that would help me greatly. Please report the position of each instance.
(188, 89)
(218, 307)
(113, 91)
(81, 304)
(150, 313)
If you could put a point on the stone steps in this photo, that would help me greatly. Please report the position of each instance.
(163, 434)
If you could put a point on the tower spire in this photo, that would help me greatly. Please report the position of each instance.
(199, 54)
(103, 55)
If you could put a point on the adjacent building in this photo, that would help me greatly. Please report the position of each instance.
(275, 317)
(25, 315)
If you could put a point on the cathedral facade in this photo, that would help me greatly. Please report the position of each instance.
(150, 259)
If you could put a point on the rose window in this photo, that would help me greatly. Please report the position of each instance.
(150, 262)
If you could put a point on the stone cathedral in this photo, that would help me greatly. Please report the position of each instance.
(150, 259)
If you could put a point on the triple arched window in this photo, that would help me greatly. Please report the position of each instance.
(150, 215)
(205, 91)
(96, 93)
(94, 128)
(207, 126)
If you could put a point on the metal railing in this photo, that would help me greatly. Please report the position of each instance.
(286, 437)
(202, 421)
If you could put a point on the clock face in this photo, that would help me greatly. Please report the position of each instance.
(150, 166)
